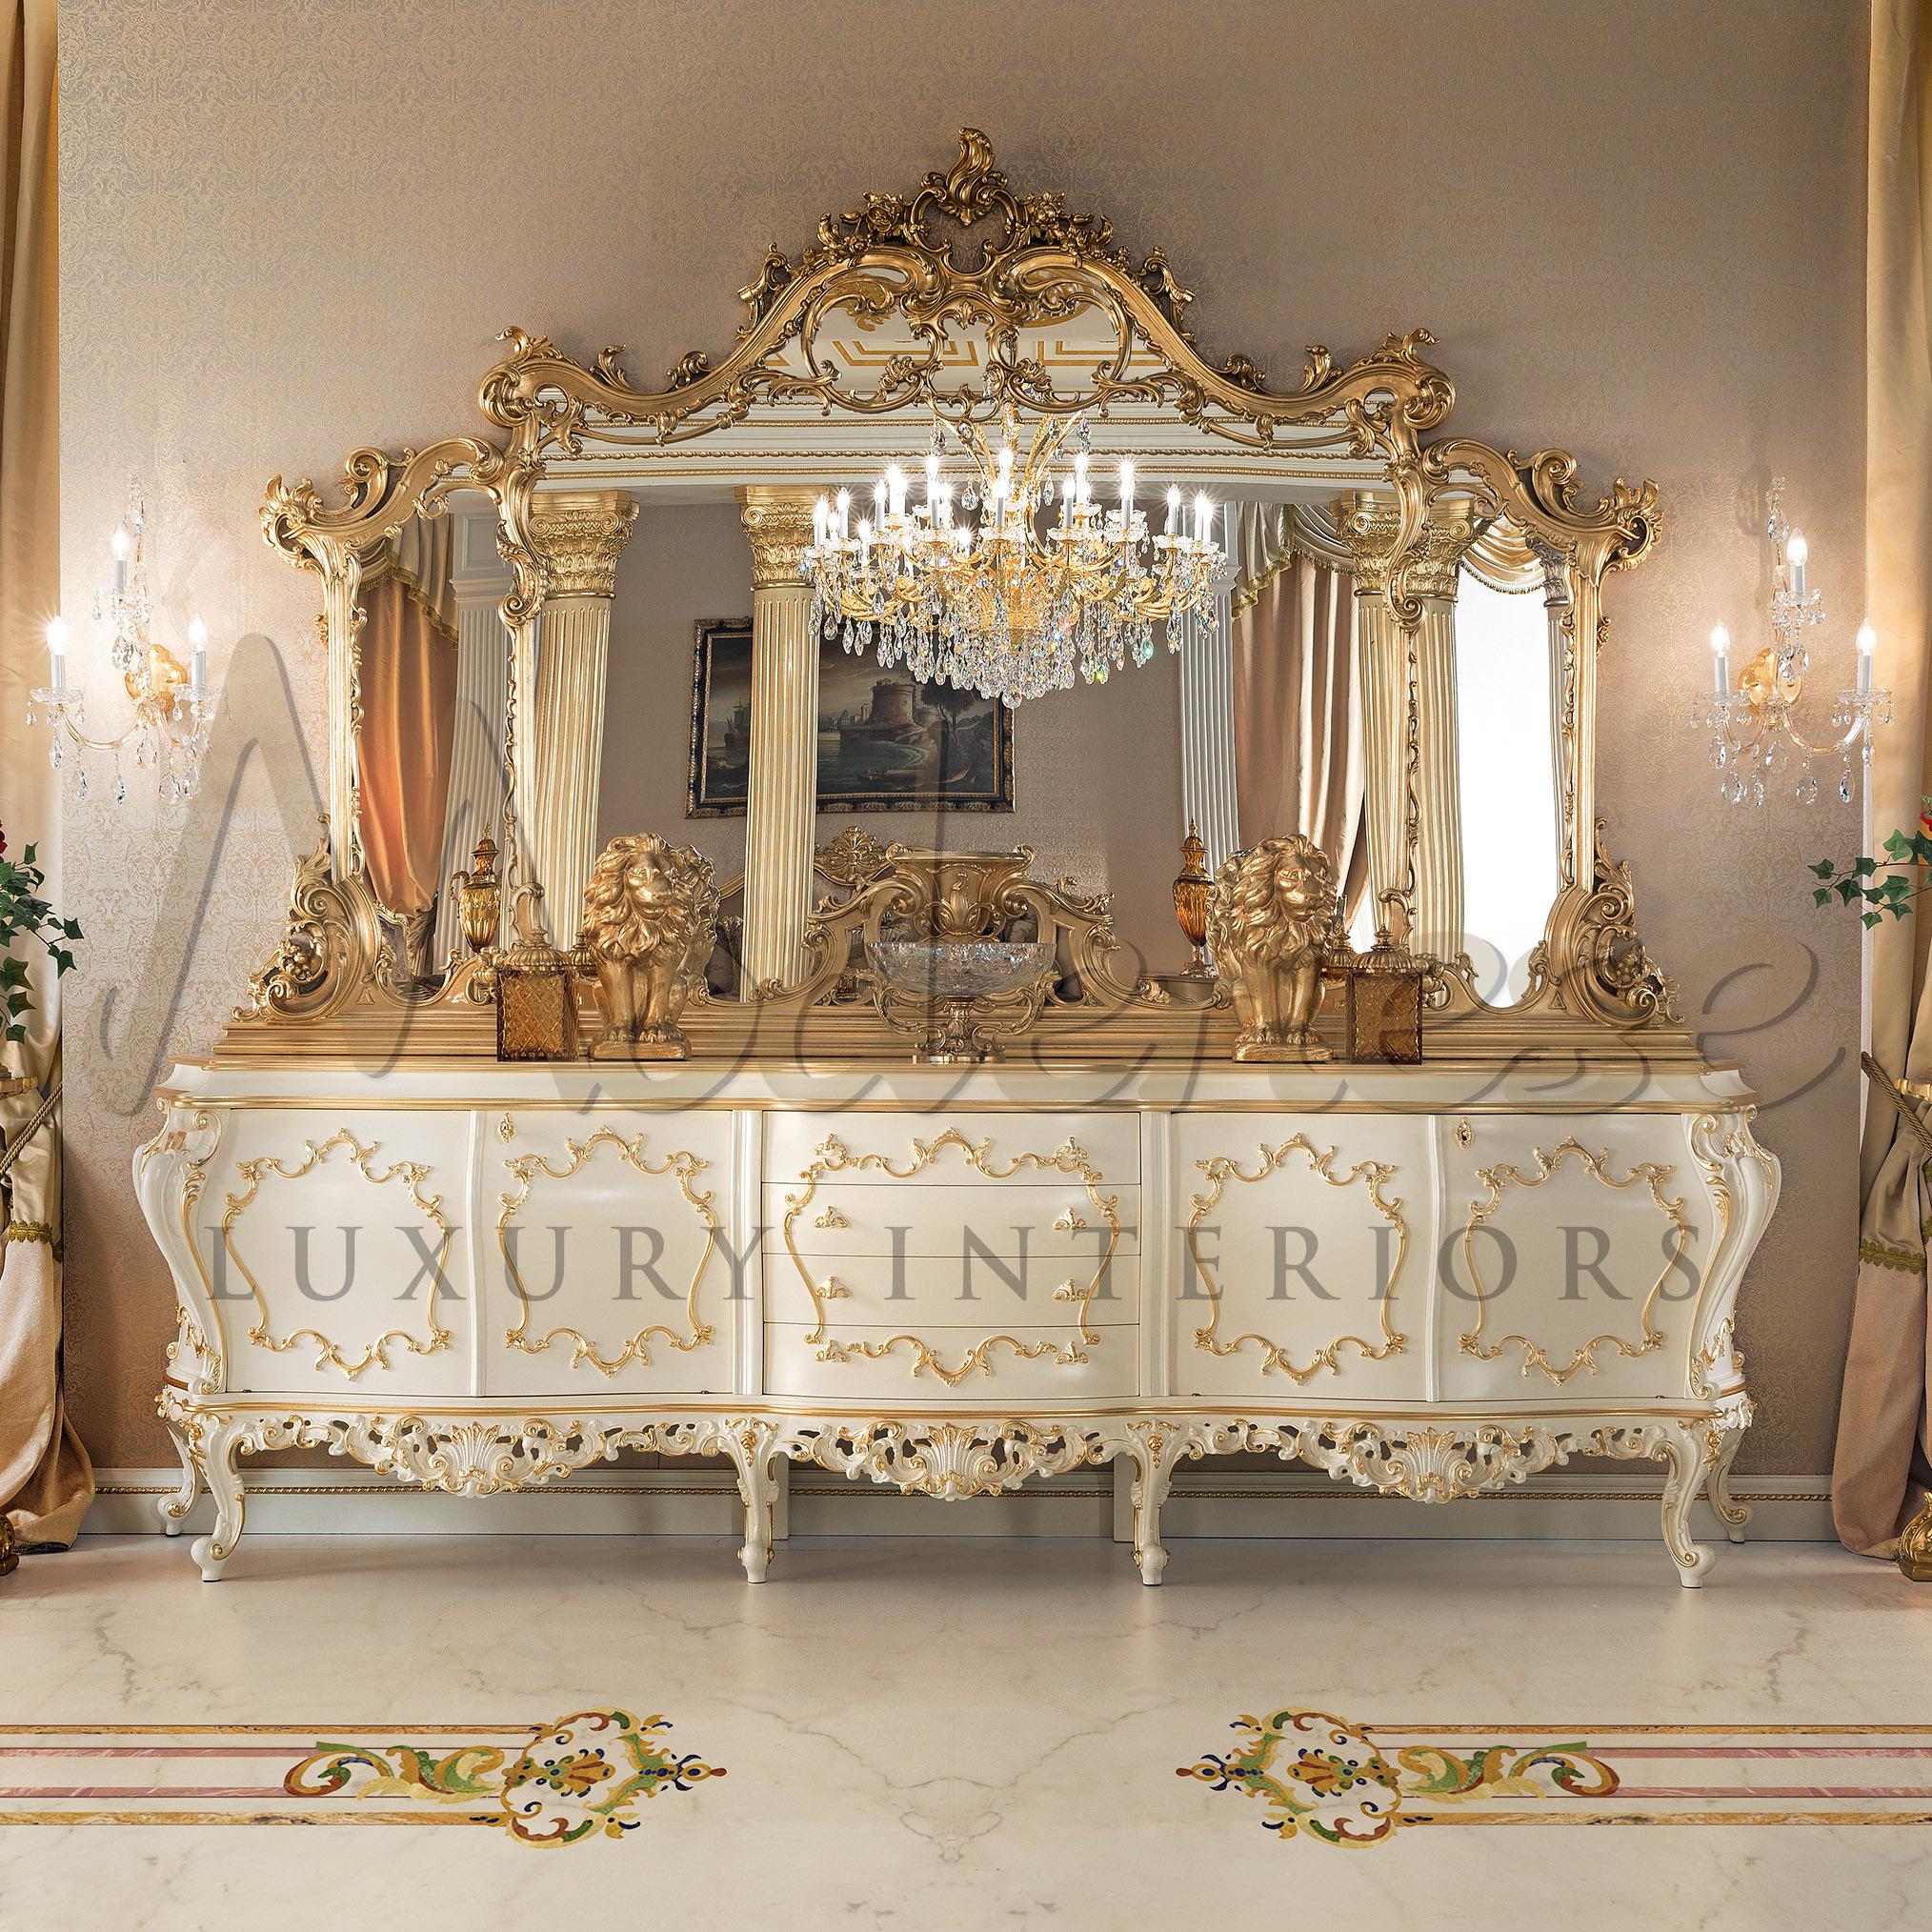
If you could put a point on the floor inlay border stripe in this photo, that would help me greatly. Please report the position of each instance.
(580, 1777)
(1360, 1783)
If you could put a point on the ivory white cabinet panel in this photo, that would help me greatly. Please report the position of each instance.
(1303, 1254)
(607, 1257)
(938, 1366)
(1027, 1143)
(337, 1246)
(1573, 1257)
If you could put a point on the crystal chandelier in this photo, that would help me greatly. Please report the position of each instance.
(173, 710)
(1753, 742)
(1010, 599)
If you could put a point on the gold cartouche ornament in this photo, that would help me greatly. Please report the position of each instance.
(479, 897)
(1191, 888)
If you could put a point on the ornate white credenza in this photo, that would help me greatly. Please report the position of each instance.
(1430, 1280)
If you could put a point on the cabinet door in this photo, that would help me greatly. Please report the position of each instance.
(1573, 1257)
(338, 1251)
(609, 1262)
(1304, 1251)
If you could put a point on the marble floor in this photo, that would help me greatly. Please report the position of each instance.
(961, 1733)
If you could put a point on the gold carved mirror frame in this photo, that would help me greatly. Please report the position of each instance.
(965, 252)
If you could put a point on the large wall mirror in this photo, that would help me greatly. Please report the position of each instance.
(596, 622)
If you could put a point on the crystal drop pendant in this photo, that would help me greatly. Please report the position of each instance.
(1844, 789)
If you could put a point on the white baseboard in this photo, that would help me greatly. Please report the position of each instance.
(1091, 1504)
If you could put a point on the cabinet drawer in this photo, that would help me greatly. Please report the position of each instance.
(948, 1291)
(941, 1366)
(886, 1150)
(1056, 1226)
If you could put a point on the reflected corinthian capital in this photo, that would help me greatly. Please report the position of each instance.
(1367, 525)
(579, 535)
(1438, 554)
(777, 521)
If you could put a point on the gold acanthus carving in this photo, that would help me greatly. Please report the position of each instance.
(1222, 1168)
(1503, 1175)
(777, 521)
(832, 1157)
(579, 536)
(314, 1154)
(684, 1167)
(886, 258)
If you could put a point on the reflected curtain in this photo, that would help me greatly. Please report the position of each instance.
(45, 1482)
(409, 699)
(1299, 753)
(1879, 1468)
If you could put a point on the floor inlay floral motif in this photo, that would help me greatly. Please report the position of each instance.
(558, 1783)
(1358, 1785)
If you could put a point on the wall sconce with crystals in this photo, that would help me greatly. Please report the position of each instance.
(1752, 738)
(173, 710)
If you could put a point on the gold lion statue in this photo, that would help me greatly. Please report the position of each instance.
(1268, 921)
(649, 924)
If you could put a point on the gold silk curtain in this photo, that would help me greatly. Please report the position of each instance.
(1880, 1471)
(409, 708)
(45, 1482)
(1299, 753)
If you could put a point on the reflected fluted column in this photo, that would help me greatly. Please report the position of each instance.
(782, 790)
(1557, 614)
(1208, 787)
(1368, 526)
(1433, 577)
(479, 580)
(579, 535)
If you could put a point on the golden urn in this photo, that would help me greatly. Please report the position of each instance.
(1191, 888)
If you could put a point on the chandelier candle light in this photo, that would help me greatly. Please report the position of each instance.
(1013, 602)
(173, 710)
(1753, 737)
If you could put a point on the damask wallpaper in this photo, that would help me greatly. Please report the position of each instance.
(1635, 230)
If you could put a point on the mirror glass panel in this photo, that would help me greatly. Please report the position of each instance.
(1257, 723)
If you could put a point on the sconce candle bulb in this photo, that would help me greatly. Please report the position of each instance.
(1721, 661)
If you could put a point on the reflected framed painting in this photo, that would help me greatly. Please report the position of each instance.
(886, 743)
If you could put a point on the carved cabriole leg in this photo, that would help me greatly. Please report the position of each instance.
(220, 1448)
(175, 1506)
(1731, 1513)
(1155, 1448)
(756, 1451)
(1686, 1457)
